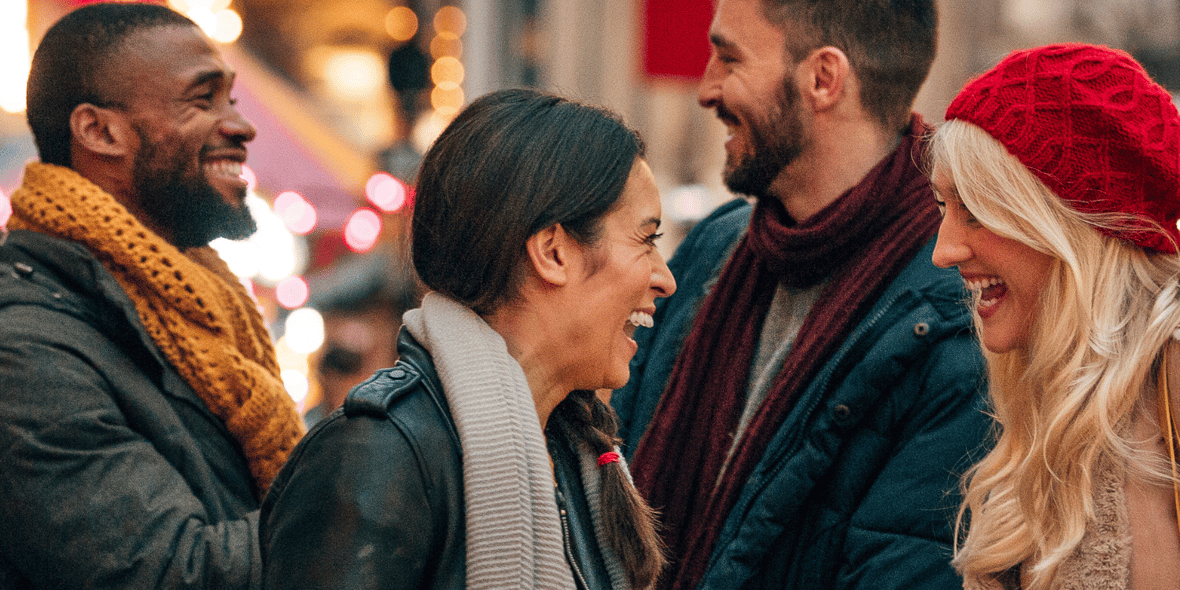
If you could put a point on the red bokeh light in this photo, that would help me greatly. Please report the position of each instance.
(385, 192)
(249, 176)
(362, 230)
(5, 209)
(297, 213)
(292, 292)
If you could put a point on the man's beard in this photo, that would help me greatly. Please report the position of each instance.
(194, 211)
(775, 142)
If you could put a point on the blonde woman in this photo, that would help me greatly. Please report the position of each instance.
(1059, 175)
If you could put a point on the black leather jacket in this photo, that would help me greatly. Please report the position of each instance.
(373, 495)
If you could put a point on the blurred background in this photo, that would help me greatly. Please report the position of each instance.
(346, 95)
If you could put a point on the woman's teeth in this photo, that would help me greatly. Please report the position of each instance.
(639, 318)
(985, 295)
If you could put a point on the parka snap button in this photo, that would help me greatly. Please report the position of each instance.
(397, 374)
(921, 329)
(23, 269)
(842, 412)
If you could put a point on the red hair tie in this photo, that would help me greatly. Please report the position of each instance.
(608, 457)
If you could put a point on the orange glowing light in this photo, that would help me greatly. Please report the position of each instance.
(441, 46)
(447, 69)
(401, 23)
(447, 99)
(449, 20)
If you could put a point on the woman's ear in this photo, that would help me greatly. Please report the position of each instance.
(102, 131)
(551, 253)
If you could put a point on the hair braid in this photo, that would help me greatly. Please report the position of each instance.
(629, 524)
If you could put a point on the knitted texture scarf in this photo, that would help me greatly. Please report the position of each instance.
(861, 241)
(195, 310)
(514, 536)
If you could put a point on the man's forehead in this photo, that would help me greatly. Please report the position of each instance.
(169, 49)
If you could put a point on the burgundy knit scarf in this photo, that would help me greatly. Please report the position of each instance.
(861, 241)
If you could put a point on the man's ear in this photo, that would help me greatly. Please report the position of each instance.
(826, 77)
(551, 252)
(103, 131)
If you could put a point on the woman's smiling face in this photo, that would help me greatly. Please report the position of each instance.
(620, 291)
(1007, 277)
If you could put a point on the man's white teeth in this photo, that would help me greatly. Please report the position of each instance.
(639, 318)
(225, 167)
(981, 284)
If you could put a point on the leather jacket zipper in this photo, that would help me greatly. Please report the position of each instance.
(565, 539)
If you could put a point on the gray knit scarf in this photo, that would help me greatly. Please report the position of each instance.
(514, 537)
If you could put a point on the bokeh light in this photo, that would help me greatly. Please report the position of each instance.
(5, 208)
(249, 176)
(450, 22)
(294, 367)
(401, 23)
(447, 101)
(385, 192)
(443, 47)
(355, 73)
(14, 46)
(271, 254)
(292, 292)
(220, 22)
(304, 330)
(362, 230)
(241, 256)
(297, 385)
(278, 254)
(447, 69)
(428, 127)
(190, 5)
(228, 26)
(296, 212)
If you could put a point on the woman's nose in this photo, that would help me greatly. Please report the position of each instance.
(661, 279)
(950, 249)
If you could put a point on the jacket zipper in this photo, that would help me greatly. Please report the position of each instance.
(565, 541)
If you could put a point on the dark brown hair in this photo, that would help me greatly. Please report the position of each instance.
(890, 44)
(513, 163)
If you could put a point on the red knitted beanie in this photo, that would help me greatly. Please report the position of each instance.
(1091, 125)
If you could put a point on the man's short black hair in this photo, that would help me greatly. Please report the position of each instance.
(70, 67)
(890, 44)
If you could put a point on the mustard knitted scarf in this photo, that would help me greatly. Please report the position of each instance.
(194, 308)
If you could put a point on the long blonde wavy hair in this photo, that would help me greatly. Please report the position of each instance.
(1062, 405)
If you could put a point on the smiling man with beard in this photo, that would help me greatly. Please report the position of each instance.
(142, 416)
(803, 409)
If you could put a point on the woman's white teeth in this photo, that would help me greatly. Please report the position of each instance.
(977, 287)
(981, 284)
(639, 318)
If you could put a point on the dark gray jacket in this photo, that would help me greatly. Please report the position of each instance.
(113, 473)
(373, 495)
(858, 487)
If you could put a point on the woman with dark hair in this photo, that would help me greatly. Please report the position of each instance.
(483, 458)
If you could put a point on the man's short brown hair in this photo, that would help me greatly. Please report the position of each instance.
(890, 44)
